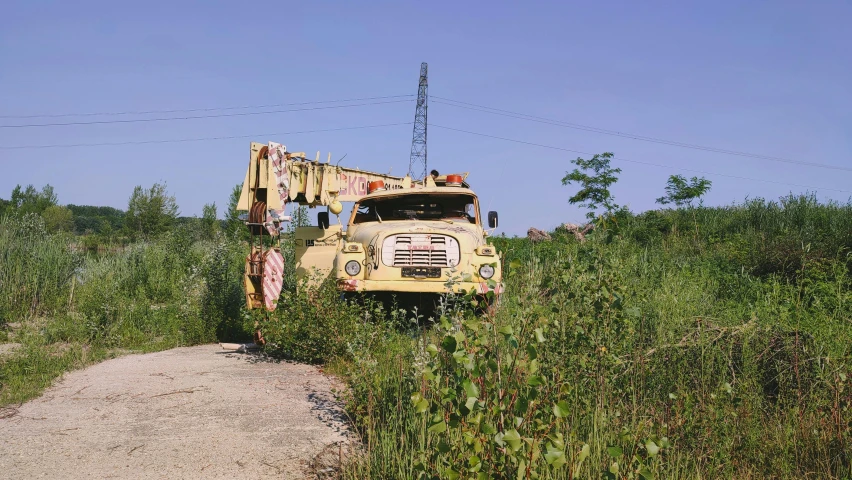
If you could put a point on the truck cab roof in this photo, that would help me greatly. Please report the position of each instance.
(419, 191)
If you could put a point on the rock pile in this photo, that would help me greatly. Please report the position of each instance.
(535, 235)
(579, 231)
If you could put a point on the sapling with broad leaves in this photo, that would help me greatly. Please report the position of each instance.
(594, 176)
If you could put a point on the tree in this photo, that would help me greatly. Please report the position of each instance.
(105, 231)
(30, 200)
(58, 219)
(209, 218)
(232, 217)
(99, 220)
(595, 177)
(150, 211)
(682, 192)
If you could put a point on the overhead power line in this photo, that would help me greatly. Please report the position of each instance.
(620, 159)
(194, 117)
(587, 128)
(197, 139)
(192, 110)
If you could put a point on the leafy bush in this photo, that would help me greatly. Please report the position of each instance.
(698, 348)
(489, 407)
(317, 325)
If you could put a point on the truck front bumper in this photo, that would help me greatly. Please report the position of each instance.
(480, 288)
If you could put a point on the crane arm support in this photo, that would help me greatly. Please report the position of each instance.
(276, 177)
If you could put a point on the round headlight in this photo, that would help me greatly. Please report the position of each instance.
(353, 267)
(486, 271)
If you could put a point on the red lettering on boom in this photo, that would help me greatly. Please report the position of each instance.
(343, 189)
(352, 185)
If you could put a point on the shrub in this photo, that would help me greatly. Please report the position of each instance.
(672, 357)
(36, 268)
(316, 325)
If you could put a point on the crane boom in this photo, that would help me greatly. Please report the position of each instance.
(277, 177)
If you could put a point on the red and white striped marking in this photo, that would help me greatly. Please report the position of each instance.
(282, 171)
(273, 277)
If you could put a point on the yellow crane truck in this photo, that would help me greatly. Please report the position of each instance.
(403, 236)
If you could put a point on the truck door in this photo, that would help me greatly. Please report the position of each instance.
(315, 251)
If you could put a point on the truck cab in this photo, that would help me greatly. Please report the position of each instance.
(427, 240)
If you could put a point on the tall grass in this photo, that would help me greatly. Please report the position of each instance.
(70, 309)
(35, 268)
(703, 343)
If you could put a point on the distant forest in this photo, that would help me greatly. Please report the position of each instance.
(97, 220)
(153, 211)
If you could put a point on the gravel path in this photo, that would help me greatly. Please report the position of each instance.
(185, 413)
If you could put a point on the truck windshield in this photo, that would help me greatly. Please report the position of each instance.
(455, 207)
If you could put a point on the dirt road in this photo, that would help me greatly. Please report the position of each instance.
(185, 413)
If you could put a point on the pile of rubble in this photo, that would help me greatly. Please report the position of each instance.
(535, 235)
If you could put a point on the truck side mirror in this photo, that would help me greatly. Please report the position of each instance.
(322, 220)
(492, 220)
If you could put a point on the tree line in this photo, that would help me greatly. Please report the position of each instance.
(150, 212)
(153, 211)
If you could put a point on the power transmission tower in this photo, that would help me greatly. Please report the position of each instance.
(417, 165)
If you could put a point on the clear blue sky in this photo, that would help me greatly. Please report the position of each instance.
(773, 78)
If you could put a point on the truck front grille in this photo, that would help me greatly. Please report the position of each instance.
(420, 250)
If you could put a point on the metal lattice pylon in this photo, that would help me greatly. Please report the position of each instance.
(417, 165)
